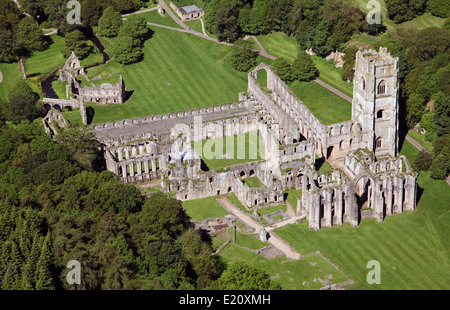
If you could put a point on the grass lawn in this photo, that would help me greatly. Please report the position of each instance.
(156, 18)
(325, 105)
(332, 76)
(179, 72)
(280, 45)
(11, 75)
(421, 139)
(205, 208)
(48, 60)
(234, 200)
(249, 240)
(289, 274)
(409, 151)
(246, 148)
(252, 182)
(292, 195)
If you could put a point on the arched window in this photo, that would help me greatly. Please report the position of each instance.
(380, 114)
(378, 143)
(382, 88)
(363, 83)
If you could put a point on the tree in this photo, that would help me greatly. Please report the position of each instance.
(7, 46)
(23, 107)
(131, 39)
(163, 216)
(442, 113)
(82, 145)
(222, 20)
(440, 167)
(44, 267)
(126, 51)
(423, 161)
(304, 68)
(22, 88)
(243, 58)
(76, 42)
(283, 69)
(319, 43)
(400, 10)
(349, 63)
(439, 8)
(240, 276)
(428, 43)
(30, 37)
(199, 255)
(135, 27)
(415, 107)
(110, 23)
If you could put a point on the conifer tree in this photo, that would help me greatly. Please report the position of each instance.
(45, 280)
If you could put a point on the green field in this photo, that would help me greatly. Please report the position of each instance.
(291, 275)
(205, 208)
(156, 18)
(326, 106)
(11, 75)
(246, 148)
(179, 72)
(280, 45)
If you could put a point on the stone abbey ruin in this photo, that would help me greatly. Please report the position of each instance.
(369, 178)
(78, 95)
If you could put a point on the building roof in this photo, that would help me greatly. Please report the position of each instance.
(191, 8)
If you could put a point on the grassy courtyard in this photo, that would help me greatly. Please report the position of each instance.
(242, 149)
(326, 106)
(205, 208)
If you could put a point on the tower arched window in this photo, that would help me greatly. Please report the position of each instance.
(380, 114)
(363, 83)
(381, 88)
(378, 143)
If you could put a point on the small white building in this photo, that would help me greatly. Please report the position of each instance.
(188, 12)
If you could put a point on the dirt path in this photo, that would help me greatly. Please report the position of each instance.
(1, 77)
(273, 239)
(416, 144)
(334, 90)
(142, 11)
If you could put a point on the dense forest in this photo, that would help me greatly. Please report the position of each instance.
(58, 204)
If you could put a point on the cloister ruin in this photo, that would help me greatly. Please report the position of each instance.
(369, 179)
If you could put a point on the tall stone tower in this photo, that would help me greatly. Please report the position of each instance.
(375, 102)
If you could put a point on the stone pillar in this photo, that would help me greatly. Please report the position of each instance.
(134, 151)
(262, 234)
(153, 164)
(351, 207)
(410, 193)
(389, 191)
(327, 210)
(127, 153)
(146, 168)
(124, 170)
(132, 169)
(338, 207)
(120, 154)
(378, 205)
(141, 149)
(399, 195)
